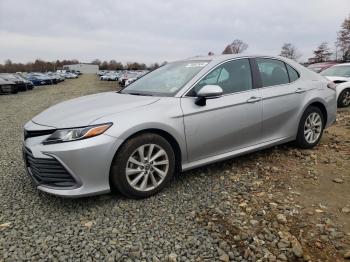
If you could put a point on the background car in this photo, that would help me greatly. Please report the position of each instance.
(29, 84)
(20, 83)
(340, 75)
(319, 67)
(110, 76)
(7, 86)
(39, 79)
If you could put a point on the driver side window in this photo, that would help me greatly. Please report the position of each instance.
(233, 76)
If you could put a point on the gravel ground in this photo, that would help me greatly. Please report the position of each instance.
(253, 208)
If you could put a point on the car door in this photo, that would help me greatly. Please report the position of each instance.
(226, 123)
(282, 96)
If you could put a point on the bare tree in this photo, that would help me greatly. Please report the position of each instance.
(290, 51)
(96, 62)
(322, 53)
(343, 39)
(236, 47)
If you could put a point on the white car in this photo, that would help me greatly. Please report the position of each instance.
(109, 77)
(340, 75)
(130, 80)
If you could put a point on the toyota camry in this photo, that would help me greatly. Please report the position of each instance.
(184, 115)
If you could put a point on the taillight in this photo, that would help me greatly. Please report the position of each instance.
(331, 85)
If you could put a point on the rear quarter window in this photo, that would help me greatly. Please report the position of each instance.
(293, 74)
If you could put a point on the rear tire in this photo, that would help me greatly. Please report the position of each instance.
(344, 98)
(143, 166)
(310, 128)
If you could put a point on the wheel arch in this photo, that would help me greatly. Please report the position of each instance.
(323, 109)
(166, 135)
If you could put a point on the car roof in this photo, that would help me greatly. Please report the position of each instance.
(221, 58)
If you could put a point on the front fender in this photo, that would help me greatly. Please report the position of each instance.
(165, 115)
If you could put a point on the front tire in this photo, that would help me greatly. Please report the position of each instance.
(14, 90)
(310, 128)
(143, 166)
(344, 98)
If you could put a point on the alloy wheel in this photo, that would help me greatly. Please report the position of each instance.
(346, 98)
(147, 167)
(313, 128)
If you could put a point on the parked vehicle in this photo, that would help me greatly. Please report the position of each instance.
(39, 79)
(29, 84)
(66, 74)
(340, 75)
(110, 77)
(123, 79)
(130, 80)
(180, 116)
(7, 86)
(69, 75)
(319, 67)
(20, 84)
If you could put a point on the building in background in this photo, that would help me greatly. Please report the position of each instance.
(83, 68)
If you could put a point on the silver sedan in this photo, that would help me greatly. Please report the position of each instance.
(183, 115)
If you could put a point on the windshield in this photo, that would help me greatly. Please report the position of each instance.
(166, 80)
(343, 71)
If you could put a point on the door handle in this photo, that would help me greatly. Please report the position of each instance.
(253, 99)
(300, 90)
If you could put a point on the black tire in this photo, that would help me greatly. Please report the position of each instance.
(118, 177)
(14, 89)
(301, 140)
(342, 101)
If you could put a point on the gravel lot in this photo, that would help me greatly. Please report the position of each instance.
(277, 205)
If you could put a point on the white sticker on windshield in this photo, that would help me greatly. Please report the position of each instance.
(202, 64)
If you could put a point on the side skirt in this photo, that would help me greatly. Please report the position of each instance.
(235, 153)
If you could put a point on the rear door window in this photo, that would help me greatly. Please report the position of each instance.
(272, 72)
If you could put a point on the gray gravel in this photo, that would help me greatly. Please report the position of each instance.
(231, 211)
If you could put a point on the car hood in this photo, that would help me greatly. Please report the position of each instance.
(84, 110)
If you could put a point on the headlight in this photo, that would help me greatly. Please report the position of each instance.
(73, 134)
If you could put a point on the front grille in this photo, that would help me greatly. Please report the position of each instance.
(48, 171)
(28, 134)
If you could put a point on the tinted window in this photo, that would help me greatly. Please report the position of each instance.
(272, 72)
(233, 76)
(293, 74)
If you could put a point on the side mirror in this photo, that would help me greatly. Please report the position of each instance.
(208, 92)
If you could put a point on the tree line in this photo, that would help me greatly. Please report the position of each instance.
(43, 66)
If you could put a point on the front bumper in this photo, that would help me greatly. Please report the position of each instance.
(87, 161)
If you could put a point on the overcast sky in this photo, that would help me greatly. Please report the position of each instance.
(160, 30)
